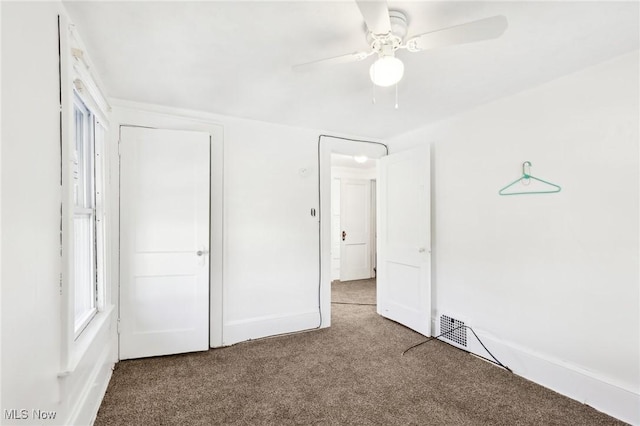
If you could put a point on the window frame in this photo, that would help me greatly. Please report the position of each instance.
(78, 86)
(89, 162)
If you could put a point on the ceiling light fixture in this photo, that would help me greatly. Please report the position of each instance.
(360, 159)
(386, 71)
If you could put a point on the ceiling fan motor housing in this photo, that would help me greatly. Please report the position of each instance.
(399, 23)
(386, 44)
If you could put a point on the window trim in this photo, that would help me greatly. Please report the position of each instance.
(77, 81)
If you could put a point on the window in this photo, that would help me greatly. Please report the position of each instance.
(85, 257)
(86, 307)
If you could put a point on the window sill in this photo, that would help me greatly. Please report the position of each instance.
(81, 345)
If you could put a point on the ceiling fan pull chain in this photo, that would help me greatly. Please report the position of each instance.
(396, 95)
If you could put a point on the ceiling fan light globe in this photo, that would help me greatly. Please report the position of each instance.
(386, 71)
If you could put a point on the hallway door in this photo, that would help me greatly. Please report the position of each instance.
(404, 239)
(355, 235)
(164, 242)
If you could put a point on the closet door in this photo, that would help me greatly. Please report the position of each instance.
(164, 242)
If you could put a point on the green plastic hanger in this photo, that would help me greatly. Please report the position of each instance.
(525, 181)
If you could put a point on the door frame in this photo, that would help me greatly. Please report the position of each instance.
(328, 145)
(133, 114)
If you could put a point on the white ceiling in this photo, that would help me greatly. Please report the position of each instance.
(235, 58)
(341, 160)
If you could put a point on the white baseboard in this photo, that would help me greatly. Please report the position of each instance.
(85, 410)
(255, 328)
(617, 400)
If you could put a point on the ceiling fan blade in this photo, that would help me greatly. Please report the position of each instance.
(376, 15)
(342, 59)
(482, 29)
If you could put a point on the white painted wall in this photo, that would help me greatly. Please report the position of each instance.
(31, 263)
(271, 240)
(550, 282)
(353, 173)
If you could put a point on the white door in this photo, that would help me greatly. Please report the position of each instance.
(355, 235)
(164, 242)
(374, 228)
(404, 239)
(335, 229)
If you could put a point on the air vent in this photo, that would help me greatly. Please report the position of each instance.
(459, 333)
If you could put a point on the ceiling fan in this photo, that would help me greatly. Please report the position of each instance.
(386, 32)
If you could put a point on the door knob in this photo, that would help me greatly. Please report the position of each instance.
(344, 235)
(201, 252)
(421, 250)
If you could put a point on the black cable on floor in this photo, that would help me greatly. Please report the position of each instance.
(494, 361)
(430, 339)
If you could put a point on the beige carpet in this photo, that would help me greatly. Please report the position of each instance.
(350, 374)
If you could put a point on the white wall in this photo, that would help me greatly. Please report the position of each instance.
(271, 240)
(338, 172)
(551, 282)
(31, 263)
(265, 183)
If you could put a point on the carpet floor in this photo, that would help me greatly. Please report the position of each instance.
(352, 373)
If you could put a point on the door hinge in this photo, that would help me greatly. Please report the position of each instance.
(118, 326)
(60, 284)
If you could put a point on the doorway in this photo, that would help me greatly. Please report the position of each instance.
(403, 284)
(341, 177)
(353, 230)
(353, 218)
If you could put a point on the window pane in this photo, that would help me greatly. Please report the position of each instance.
(83, 157)
(77, 158)
(84, 250)
(84, 223)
